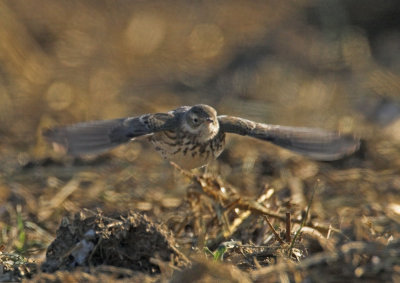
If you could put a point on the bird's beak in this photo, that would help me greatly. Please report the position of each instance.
(209, 120)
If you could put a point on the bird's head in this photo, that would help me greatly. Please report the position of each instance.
(201, 120)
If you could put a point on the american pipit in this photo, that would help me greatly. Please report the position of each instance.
(193, 136)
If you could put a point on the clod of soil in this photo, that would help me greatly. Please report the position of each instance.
(132, 242)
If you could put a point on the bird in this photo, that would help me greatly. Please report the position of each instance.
(193, 136)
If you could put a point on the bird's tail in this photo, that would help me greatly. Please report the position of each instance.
(87, 138)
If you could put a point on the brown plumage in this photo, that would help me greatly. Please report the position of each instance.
(193, 136)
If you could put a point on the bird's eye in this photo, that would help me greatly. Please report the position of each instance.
(195, 120)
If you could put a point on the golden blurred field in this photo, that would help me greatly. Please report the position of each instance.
(328, 64)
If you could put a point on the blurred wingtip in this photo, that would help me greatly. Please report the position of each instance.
(345, 146)
(85, 138)
(352, 144)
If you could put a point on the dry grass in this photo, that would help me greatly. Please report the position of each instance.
(259, 213)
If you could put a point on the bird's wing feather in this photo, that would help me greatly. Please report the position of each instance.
(314, 143)
(100, 136)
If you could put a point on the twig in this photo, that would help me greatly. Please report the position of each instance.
(388, 253)
(274, 231)
(303, 222)
(288, 227)
(48, 207)
(207, 183)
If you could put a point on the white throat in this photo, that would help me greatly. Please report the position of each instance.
(204, 132)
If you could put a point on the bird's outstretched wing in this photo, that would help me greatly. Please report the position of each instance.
(100, 136)
(314, 143)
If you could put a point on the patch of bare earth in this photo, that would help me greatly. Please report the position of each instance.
(121, 246)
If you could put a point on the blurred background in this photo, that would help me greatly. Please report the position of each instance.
(331, 64)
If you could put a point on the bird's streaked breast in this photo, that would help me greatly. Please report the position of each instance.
(185, 150)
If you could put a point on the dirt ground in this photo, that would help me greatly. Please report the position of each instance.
(257, 214)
